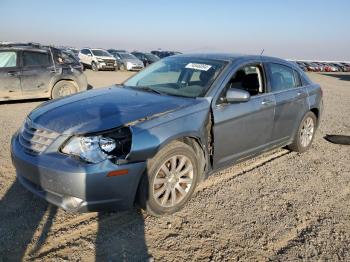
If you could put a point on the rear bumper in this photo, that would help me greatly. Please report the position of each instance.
(73, 185)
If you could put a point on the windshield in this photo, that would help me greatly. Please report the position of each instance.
(127, 56)
(151, 57)
(98, 52)
(179, 76)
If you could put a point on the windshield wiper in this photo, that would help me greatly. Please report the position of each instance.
(147, 89)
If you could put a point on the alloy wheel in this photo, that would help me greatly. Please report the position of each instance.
(173, 181)
(307, 132)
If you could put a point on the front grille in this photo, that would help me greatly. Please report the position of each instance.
(109, 62)
(36, 140)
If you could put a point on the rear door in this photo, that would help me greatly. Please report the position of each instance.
(243, 129)
(291, 100)
(37, 72)
(10, 83)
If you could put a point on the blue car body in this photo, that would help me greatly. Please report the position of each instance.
(224, 134)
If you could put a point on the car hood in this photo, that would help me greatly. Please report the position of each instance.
(103, 109)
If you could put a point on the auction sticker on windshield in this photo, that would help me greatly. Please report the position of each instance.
(202, 67)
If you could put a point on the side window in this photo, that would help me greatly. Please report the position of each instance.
(297, 79)
(249, 78)
(85, 51)
(282, 77)
(36, 59)
(8, 59)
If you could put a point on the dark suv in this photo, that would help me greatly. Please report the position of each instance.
(34, 71)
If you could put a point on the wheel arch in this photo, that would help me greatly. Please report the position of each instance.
(195, 143)
(198, 147)
(316, 111)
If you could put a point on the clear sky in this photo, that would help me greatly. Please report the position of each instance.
(300, 29)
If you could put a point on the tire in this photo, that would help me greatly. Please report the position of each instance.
(162, 194)
(94, 67)
(305, 134)
(63, 88)
(122, 67)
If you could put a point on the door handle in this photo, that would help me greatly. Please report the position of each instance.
(13, 73)
(267, 102)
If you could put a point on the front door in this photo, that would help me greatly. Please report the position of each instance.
(10, 83)
(37, 73)
(245, 128)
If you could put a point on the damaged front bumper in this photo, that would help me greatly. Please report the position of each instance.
(76, 186)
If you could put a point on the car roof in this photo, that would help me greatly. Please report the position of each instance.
(230, 57)
(19, 48)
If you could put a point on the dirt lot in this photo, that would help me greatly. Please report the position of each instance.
(280, 206)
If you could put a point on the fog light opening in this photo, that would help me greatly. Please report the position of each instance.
(69, 202)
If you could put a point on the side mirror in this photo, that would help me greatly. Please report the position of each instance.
(89, 54)
(237, 95)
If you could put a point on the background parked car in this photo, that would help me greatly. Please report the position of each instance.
(127, 61)
(301, 65)
(146, 58)
(320, 66)
(346, 67)
(162, 54)
(311, 67)
(342, 68)
(72, 51)
(34, 71)
(97, 59)
(330, 68)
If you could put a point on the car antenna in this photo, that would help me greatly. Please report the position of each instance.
(262, 51)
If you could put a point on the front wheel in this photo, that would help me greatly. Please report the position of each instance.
(94, 66)
(122, 67)
(170, 179)
(305, 134)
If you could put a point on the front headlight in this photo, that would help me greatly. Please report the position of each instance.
(113, 145)
(100, 60)
(92, 149)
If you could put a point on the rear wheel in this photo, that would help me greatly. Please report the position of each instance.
(305, 134)
(170, 179)
(63, 88)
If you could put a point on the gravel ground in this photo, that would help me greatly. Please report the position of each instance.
(279, 206)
